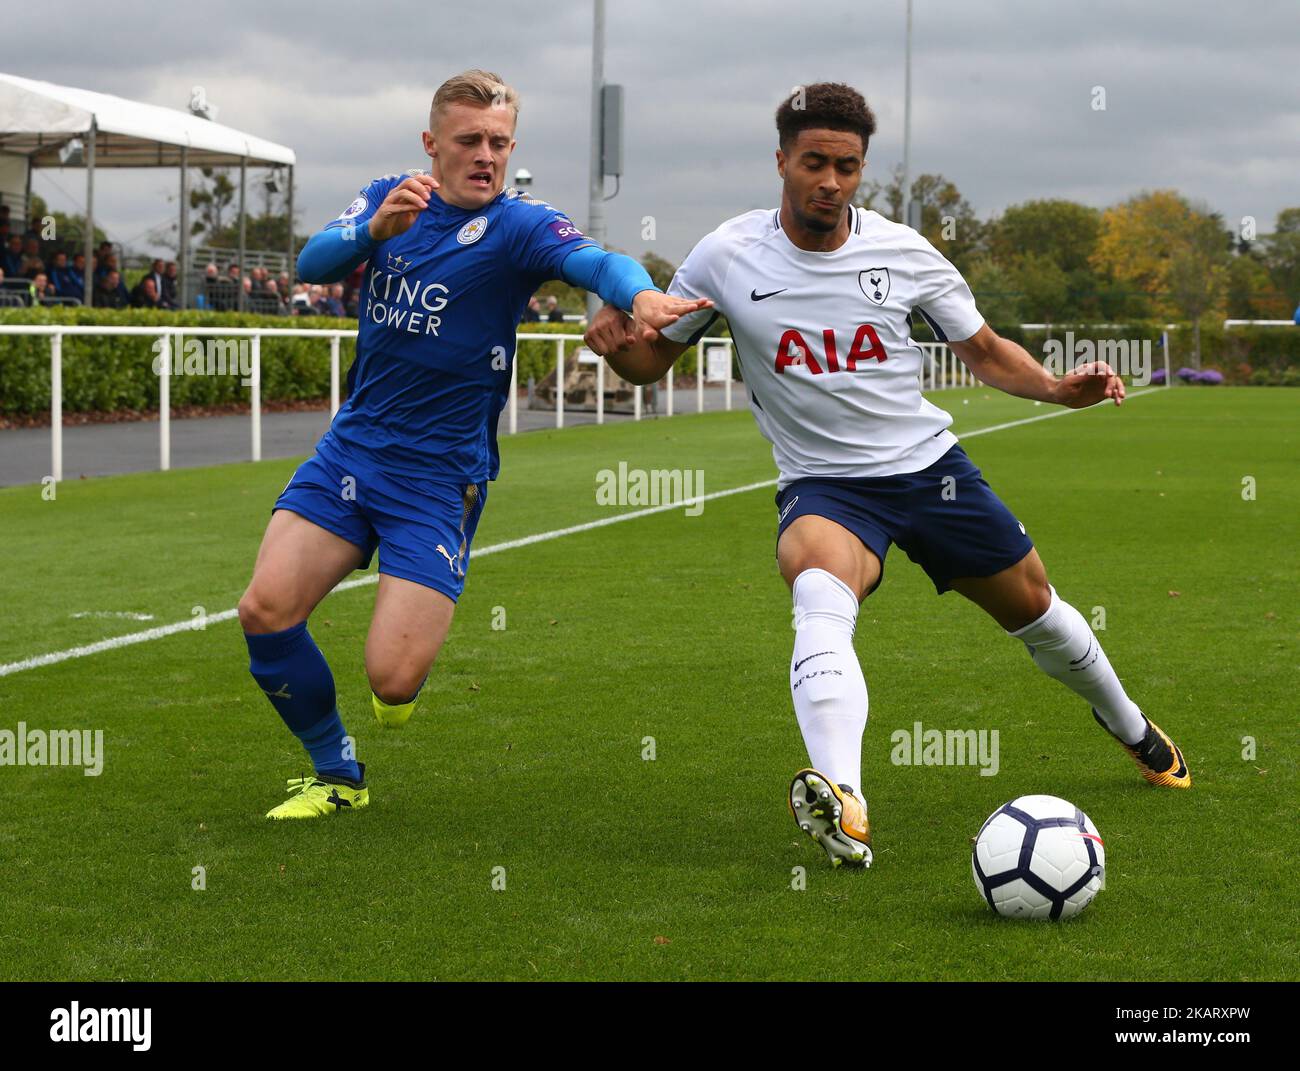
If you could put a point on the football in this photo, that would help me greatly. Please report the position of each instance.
(1038, 857)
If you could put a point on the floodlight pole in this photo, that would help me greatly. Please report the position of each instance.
(596, 193)
(183, 241)
(292, 269)
(88, 289)
(906, 190)
(243, 193)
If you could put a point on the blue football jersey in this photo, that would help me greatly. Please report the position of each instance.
(437, 315)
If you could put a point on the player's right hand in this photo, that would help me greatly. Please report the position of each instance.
(610, 332)
(401, 207)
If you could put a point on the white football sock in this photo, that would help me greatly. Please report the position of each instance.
(1064, 647)
(826, 682)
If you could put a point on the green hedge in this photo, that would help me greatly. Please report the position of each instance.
(107, 373)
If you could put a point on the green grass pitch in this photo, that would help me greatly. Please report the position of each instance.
(527, 751)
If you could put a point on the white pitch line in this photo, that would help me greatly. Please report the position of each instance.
(196, 624)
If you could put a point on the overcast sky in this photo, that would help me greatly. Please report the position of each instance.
(1202, 97)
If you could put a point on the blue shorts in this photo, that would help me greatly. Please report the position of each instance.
(945, 517)
(422, 527)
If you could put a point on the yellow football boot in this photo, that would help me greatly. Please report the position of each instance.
(1157, 757)
(321, 794)
(833, 816)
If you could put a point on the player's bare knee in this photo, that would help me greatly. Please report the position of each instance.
(396, 690)
(259, 615)
(396, 684)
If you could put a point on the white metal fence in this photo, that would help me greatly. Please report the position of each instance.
(940, 369)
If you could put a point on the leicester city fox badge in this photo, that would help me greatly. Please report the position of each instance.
(875, 284)
(472, 231)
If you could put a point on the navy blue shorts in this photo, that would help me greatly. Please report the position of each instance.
(946, 517)
(422, 528)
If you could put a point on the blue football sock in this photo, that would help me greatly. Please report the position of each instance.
(328, 744)
(290, 669)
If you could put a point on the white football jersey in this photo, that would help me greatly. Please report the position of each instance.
(824, 339)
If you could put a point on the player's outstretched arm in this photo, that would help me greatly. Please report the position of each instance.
(614, 335)
(1003, 364)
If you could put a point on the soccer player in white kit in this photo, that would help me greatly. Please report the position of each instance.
(819, 294)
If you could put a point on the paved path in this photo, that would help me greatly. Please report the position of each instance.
(112, 449)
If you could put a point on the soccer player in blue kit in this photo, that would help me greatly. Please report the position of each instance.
(404, 468)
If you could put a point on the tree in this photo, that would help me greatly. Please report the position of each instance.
(1173, 251)
(1198, 270)
(211, 197)
(1044, 288)
(996, 291)
(947, 219)
(1282, 255)
(267, 230)
(661, 271)
(1250, 294)
(1064, 232)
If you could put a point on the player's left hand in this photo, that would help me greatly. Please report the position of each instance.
(653, 311)
(610, 332)
(1089, 384)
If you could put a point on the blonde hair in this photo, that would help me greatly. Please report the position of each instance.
(484, 88)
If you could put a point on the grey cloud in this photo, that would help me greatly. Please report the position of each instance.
(1199, 96)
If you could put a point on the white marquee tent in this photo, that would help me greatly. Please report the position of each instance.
(47, 125)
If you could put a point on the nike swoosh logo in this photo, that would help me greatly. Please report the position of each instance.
(754, 295)
(811, 656)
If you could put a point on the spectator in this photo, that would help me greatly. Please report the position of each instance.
(102, 266)
(212, 287)
(269, 299)
(228, 295)
(156, 274)
(110, 293)
(333, 303)
(553, 313)
(59, 275)
(145, 295)
(13, 257)
(532, 314)
(106, 262)
(32, 252)
(76, 277)
(171, 293)
(300, 303)
(42, 288)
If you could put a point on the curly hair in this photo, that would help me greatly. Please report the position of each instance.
(824, 106)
